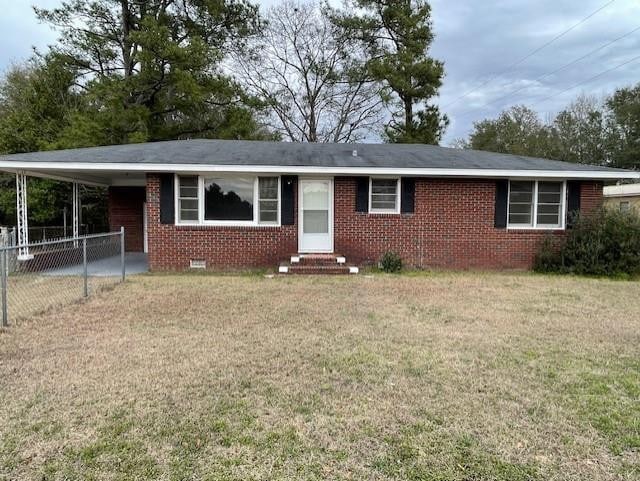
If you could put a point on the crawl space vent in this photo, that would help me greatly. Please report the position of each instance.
(198, 264)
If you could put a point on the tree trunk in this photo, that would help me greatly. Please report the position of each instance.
(126, 42)
(313, 127)
(408, 117)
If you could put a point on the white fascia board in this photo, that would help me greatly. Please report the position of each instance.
(311, 170)
(59, 175)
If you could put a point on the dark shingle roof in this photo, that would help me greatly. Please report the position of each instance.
(242, 152)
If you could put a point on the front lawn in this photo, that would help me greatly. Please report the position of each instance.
(446, 376)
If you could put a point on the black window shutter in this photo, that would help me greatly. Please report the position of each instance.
(407, 195)
(167, 210)
(502, 199)
(573, 201)
(362, 194)
(287, 214)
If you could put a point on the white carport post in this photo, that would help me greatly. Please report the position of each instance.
(23, 223)
(76, 212)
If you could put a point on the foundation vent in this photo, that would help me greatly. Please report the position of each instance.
(198, 264)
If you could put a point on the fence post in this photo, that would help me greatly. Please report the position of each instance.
(4, 265)
(122, 252)
(84, 267)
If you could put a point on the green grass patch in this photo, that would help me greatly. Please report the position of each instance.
(424, 452)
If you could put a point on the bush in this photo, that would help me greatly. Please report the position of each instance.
(391, 262)
(606, 243)
(548, 256)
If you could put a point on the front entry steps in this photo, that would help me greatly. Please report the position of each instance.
(317, 264)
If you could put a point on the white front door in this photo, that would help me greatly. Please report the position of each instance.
(315, 201)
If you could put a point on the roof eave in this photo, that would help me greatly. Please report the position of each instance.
(88, 167)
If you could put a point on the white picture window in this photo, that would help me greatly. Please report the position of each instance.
(384, 196)
(536, 204)
(228, 200)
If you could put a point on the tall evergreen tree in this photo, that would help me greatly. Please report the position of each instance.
(397, 35)
(37, 100)
(152, 69)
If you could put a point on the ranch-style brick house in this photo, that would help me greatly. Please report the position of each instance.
(224, 204)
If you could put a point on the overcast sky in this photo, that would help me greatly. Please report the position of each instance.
(477, 40)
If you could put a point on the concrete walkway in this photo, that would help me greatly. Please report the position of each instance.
(135, 263)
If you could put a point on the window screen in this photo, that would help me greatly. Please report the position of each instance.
(549, 204)
(521, 203)
(384, 195)
(188, 199)
(268, 200)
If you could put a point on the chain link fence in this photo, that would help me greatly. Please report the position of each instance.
(46, 275)
(55, 232)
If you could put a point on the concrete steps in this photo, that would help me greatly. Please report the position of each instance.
(317, 264)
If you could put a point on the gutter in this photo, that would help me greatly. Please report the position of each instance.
(88, 167)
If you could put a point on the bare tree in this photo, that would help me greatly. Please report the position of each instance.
(308, 76)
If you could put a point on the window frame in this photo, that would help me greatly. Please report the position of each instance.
(534, 214)
(178, 198)
(226, 223)
(257, 201)
(398, 197)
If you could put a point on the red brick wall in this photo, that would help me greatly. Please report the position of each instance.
(590, 196)
(452, 227)
(126, 210)
(171, 247)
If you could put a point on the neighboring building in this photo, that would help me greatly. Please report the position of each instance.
(237, 204)
(625, 197)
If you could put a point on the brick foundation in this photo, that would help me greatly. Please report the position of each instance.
(126, 205)
(452, 227)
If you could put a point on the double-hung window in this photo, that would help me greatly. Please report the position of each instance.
(228, 200)
(384, 196)
(268, 199)
(188, 199)
(536, 204)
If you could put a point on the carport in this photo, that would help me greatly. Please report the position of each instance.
(135, 263)
(127, 211)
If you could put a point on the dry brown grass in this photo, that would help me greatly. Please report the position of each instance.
(445, 376)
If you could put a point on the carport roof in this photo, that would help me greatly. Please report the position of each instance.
(259, 156)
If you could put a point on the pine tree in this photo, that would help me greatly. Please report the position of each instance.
(152, 70)
(397, 35)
